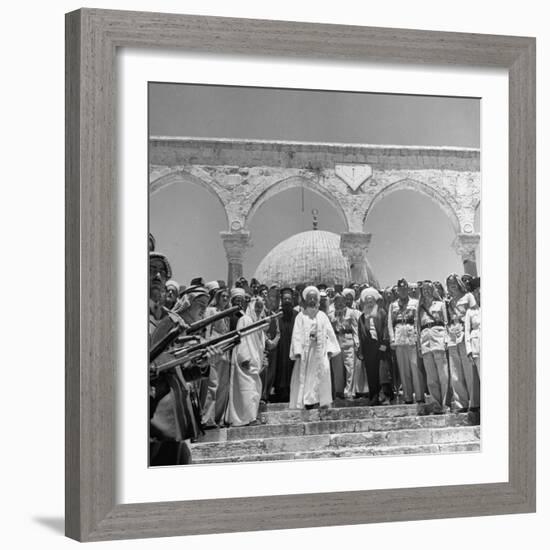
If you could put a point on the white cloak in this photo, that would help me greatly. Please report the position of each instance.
(312, 341)
(245, 388)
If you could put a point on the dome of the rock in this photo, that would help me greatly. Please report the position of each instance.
(311, 257)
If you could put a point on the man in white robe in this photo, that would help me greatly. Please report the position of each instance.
(313, 344)
(245, 388)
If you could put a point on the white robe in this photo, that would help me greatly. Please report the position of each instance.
(245, 388)
(312, 340)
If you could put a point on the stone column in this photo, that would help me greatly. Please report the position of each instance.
(235, 244)
(354, 246)
(465, 246)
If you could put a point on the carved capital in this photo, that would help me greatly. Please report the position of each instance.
(235, 244)
(355, 246)
(465, 245)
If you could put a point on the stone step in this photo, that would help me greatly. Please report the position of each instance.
(334, 441)
(374, 423)
(292, 416)
(337, 403)
(347, 452)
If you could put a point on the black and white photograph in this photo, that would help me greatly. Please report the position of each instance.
(314, 275)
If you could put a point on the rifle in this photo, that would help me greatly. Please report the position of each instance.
(227, 341)
(177, 330)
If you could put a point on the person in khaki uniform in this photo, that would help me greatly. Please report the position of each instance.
(403, 338)
(432, 328)
(472, 337)
(463, 375)
(343, 365)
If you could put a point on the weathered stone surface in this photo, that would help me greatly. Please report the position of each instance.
(289, 416)
(244, 174)
(405, 423)
(397, 438)
(455, 435)
(361, 439)
(411, 437)
(296, 444)
(335, 426)
(243, 458)
(345, 430)
(349, 425)
(367, 412)
(359, 412)
(351, 452)
(265, 431)
(229, 449)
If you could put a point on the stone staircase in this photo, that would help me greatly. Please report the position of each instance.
(347, 429)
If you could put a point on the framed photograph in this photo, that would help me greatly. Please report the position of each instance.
(276, 234)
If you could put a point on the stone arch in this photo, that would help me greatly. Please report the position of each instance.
(290, 183)
(418, 186)
(182, 176)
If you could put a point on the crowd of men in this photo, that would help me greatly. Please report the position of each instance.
(217, 354)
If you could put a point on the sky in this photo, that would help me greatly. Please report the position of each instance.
(411, 235)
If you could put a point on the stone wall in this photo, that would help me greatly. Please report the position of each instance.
(239, 153)
(243, 175)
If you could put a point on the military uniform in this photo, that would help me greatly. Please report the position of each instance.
(403, 336)
(172, 416)
(432, 322)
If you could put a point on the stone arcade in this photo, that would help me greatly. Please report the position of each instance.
(242, 175)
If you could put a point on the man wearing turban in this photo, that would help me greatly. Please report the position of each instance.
(217, 388)
(172, 290)
(245, 388)
(313, 344)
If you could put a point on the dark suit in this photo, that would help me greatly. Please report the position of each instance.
(370, 348)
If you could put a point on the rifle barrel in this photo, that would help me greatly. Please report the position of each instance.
(199, 325)
(186, 354)
(177, 331)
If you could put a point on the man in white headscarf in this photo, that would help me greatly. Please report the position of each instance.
(245, 388)
(313, 344)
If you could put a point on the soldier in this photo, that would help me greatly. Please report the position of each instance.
(472, 336)
(343, 365)
(464, 379)
(262, 292)
(173, 409)
(432, 327)
(172, 290)
(167, 435)
(403, 338)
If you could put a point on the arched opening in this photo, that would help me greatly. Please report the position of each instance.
(303, 184)
(284, 214)
(411, 238)
(186, 221)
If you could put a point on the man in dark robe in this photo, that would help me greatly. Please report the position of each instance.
(285, 364)
(271, 345)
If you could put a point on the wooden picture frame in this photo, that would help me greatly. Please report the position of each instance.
(92, 39)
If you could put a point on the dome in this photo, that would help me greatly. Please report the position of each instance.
(311, 257)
